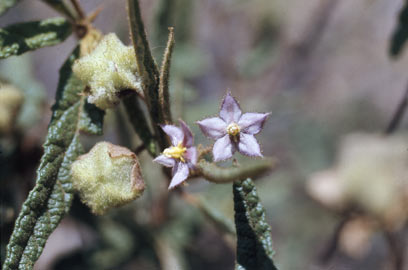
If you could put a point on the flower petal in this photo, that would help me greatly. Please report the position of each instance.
(165, 161)
(248, 145)
(223, 149)
(188, 140)
(214, 127)
(180, 174)
(252, 123)
(191, 156)
(176, 134)
(230, 111)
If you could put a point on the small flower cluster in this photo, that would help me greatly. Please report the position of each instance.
(109, 67)
(232, 131)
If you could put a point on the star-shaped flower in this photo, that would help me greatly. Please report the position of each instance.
(182, 155)
(233, 130)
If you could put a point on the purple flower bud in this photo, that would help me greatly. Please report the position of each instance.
(181, 155)
(233, 130)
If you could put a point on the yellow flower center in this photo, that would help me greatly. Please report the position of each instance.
(233, 129)
(175, 152)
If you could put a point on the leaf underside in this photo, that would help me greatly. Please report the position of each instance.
(19, 38)
(51, 197)
(254, 242)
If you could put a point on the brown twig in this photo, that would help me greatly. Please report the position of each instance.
(331, 247)
(139, 149)
(398, 114)
(78, 9)
(93, 14)
(397, 249)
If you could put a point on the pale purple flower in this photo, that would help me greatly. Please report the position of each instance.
(233, 130)
(182, 155)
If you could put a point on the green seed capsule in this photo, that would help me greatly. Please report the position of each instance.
(108, 176)
(107, 70)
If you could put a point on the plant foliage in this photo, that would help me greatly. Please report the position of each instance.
(52, 195)
(254, 242)
(51, 198)
(19, 38)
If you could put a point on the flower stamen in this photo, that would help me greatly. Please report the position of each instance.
(175, 152)
(233, 129)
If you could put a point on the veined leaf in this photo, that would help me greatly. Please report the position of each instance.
(254, 242)
(6, 4)
(51, 198)
(19, 38)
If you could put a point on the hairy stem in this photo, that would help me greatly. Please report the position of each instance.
(164, 96)
(147, 68)
(252, 169)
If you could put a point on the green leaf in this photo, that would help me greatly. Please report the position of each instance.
(19, 38)
(91, 120)
(254, 242)
(145, 62)
(51, 197)
(6, 4)
(147, 69)
(400, 34)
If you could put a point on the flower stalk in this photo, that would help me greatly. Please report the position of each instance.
(250, 169)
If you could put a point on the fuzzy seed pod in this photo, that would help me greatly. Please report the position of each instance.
(108, 176)
(107, 70)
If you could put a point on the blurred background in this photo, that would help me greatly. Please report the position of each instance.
(320, 66)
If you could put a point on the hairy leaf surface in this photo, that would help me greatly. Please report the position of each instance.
(19, 38)
(51, 197)
(254, 242)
